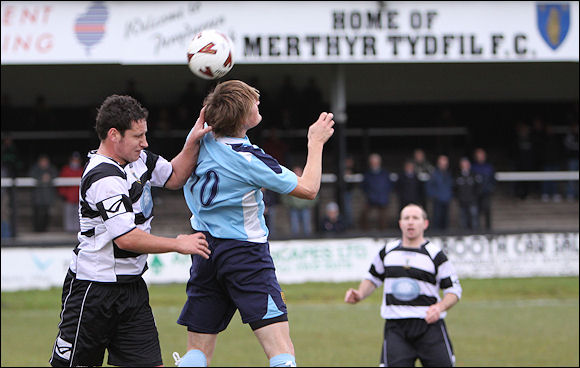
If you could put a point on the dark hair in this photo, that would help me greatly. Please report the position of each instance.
(228, 105)
(118, 112)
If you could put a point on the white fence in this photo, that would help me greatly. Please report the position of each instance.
(330, 260)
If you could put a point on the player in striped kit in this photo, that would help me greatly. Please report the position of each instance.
(413, 272)
(105, 301)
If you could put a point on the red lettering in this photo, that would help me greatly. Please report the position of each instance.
(21, 43)
(44, 43)
(7, 15)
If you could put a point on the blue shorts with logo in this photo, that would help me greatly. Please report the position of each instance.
(239, 275)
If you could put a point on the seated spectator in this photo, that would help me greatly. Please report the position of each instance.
(332, 221)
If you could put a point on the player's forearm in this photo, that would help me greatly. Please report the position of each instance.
(448, 301)
(311, 177)
(366, 288)
(183, 165)
(139, 241)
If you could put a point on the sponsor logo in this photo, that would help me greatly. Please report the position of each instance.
(405, 289)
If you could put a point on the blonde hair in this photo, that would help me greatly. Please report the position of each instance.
(228, 105)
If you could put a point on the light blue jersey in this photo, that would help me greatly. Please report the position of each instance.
(224, 193)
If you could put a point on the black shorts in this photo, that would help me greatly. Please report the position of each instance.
(239, 275)
(114, 316)
(406, 340)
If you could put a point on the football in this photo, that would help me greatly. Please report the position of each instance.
(210, 54)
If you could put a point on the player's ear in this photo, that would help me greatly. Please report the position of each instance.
(114, 135)
(426, 224)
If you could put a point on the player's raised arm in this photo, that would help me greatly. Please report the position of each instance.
(318, 134)
(185, 161)
(365, 289)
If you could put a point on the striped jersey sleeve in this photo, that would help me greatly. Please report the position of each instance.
(446, 276)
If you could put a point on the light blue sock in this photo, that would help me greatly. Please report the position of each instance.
(283, 360)
(193, 358)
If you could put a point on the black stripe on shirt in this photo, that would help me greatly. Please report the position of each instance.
(420, 301)
(446, 283)
(373, 271)
(270, 161)
(98, 172)
(121, 253)
(414, 273)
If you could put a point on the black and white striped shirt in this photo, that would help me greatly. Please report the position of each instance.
(115, 199)
(412, 279)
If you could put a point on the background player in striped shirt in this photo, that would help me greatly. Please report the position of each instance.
(105, 301)
(413, 272)
(225, 199)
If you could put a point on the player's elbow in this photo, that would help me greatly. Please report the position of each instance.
(126, 241)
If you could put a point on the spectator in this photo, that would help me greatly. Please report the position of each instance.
(440, 190)
(6, 231)
(377, 188)
(523, 157)
(300, 210)
(571, 149)
(191, 99)
(551, 154)
(486, 172)
(131, 90)
(311, 98)
(332, 221)
(271, 201)
(349, 170)
(275, 146)
(288, 100)
(467, 188)
(70, 194)
(409, 187)
(44, 193)
(10, 157)
(424, 169)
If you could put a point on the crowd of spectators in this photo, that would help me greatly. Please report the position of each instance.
(470, 181)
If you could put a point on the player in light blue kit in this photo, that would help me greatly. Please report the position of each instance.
(225, 199)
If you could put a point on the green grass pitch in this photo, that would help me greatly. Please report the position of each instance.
(498, 322)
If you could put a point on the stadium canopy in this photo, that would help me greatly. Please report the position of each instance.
(371, 50)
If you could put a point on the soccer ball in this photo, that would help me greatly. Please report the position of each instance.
(210, 54)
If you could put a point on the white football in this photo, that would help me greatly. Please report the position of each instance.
(210, 54)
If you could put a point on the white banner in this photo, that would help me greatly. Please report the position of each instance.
(158, 32)
(330, 260)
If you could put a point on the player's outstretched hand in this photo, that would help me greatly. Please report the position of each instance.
(198, 129)
(352, 296)
(322, 129)
(193, 244)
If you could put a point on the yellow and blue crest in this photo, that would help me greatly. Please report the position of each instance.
(553, 22)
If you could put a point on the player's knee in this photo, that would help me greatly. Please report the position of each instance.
(193, 358)
(283, 360)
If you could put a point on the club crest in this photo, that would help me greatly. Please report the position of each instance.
(553, 22)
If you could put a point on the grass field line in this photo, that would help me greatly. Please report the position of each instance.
(521, 303)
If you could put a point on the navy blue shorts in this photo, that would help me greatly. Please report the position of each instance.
(238, 275)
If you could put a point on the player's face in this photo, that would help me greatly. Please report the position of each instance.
(254, 117)
(133, 142)
(412, 223)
